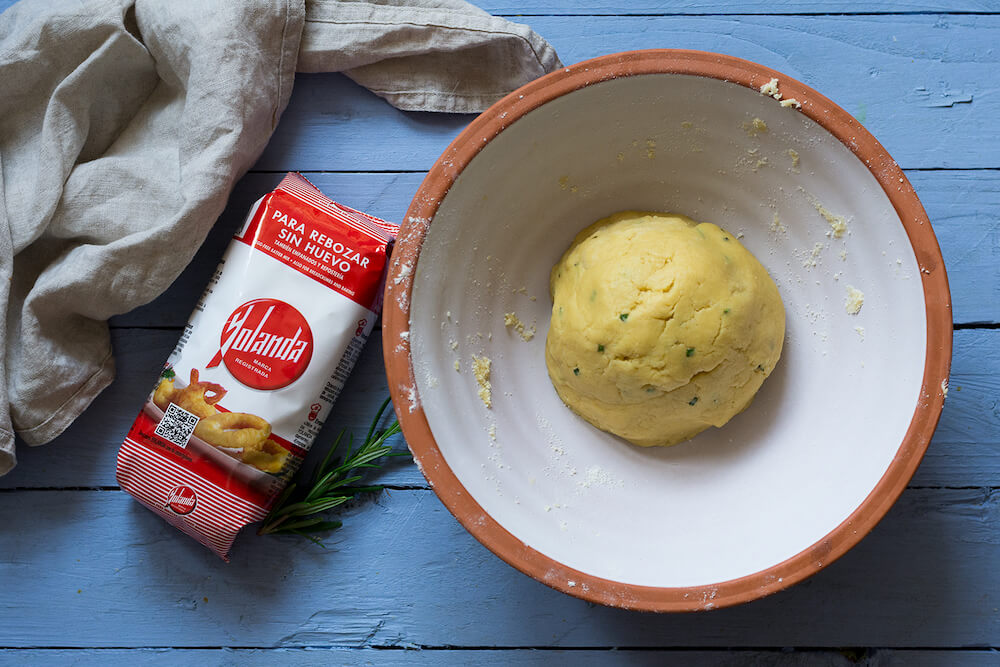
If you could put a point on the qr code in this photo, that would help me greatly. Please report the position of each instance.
(177, 425)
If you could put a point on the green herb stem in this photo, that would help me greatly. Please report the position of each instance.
(298, 508)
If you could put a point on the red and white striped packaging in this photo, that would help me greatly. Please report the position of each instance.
(259, 365)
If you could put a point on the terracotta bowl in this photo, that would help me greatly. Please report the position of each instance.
(737, 513)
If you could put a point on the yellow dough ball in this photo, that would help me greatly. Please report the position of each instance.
(661, 327)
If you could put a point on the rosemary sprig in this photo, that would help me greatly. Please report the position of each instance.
(298, 510)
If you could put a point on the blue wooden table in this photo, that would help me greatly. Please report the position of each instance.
(88, 575)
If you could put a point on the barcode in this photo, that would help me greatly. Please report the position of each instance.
(177, 425)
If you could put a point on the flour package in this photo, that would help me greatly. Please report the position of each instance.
(259, 365)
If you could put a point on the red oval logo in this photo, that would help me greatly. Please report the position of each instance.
(182, 500)
(265, 344)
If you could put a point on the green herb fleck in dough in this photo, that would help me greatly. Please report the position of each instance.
(600, 348)
(690, 352)
(725, 311)
(593, 295)
(168, 373)
(623, 317)
(693, 401)
(576, 371)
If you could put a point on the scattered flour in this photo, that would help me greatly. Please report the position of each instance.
(404, 272)
(794, 154)
(776, 225)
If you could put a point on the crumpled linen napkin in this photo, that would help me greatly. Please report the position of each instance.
(124, 125)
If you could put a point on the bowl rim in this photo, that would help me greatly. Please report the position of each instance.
(416, 429)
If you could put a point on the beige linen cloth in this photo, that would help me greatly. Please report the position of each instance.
(125, 124)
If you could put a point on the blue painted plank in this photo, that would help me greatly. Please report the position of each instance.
(965, 450)
(922, 84)
(84, 456)
(515, 8)
(528, 657)
(530, 9)
(94, 568)
(958, 203)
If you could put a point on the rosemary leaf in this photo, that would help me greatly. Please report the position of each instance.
(297, 511)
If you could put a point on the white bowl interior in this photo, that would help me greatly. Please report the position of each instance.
(733, 501)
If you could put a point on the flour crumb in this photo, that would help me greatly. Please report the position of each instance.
(454, 344)
(492, 432)
(481, 371)
(458, 366)
(571, 584)
(861, 332)
(512, 321)
(754, 127)
(620, 157)
(686, 124)
(944, 388)
(855, 299)
(791, 102)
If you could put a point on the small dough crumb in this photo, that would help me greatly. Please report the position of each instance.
(771, 88)
(838, 223)
(754, 127)
(861, 332)
(512, 321)
(458, 366)
(855, 299)
(791, 102)
(944, 388)
(481, 371)
(794, 154)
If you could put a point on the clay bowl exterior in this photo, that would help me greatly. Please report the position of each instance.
(737, 513)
